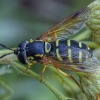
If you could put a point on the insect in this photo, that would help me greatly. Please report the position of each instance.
(53, 47)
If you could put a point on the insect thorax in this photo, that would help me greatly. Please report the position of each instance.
(37, 49)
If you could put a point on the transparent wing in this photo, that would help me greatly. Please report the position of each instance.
(69, 26)
(90, 65)
(87, 65)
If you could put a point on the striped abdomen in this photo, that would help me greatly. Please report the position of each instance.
(71, 51)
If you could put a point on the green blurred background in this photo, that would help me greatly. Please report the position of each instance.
(24, 19)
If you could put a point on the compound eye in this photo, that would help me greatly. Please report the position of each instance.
(22, 44)
(22, 57)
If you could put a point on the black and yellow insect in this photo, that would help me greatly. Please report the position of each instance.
(53, 47)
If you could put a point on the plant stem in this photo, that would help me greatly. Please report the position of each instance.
(64, 78)
(59, 95)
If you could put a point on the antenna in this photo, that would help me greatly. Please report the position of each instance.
(5, 55)
(6, 48)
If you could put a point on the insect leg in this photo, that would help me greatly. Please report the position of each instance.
(43, 72)
(29, 65)
(65, 74)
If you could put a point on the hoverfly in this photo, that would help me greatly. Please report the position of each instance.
(53, 47)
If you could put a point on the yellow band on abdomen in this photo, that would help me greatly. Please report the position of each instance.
(70, 55)
(57, 50)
